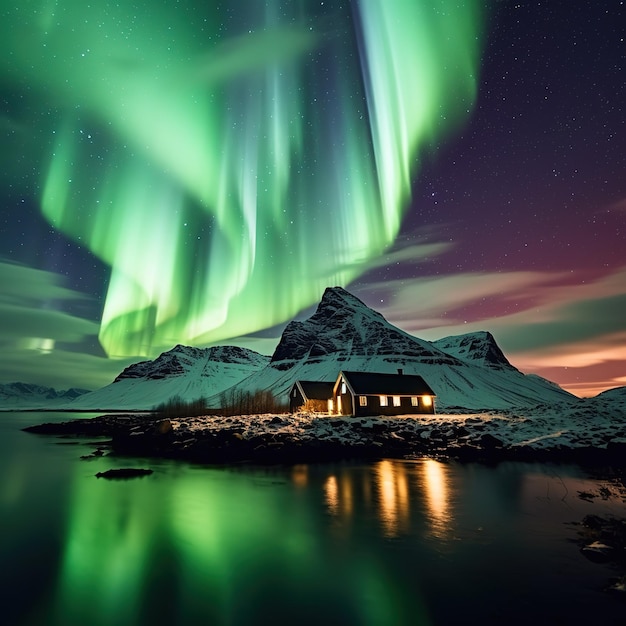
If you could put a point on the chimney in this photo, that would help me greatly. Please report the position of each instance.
(400, 371)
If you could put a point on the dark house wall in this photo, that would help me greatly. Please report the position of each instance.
(406, 408)
(295, 401)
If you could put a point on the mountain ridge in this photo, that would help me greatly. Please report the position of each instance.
(345, 334)
(341, 318)
(184, 371)
(468, 371)
(25, 395)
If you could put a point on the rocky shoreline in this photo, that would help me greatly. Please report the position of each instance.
(301, 438)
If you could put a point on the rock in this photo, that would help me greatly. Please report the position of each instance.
(124, 473)
(618, 586)
(489, 442)
(585, 495)
(94, 455)
(162, 427)
(598, 552)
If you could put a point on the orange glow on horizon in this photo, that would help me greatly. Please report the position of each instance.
(585, 369)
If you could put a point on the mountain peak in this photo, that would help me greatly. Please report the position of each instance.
(344, 326)
(180, 359)
(478, 347)
(337, 299)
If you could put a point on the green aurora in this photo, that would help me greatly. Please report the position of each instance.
(230, 160)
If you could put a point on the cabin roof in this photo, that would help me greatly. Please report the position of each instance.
(369, 383)
(315, 390)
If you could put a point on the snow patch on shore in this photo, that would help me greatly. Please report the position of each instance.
(583, 424)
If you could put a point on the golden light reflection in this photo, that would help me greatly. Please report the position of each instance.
(300, 475)
(339, 495)
(347, 498)
(331, 493)
(393, 497)
(436, 485)
(387, 491)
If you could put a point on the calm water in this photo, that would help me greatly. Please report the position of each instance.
(387, 543)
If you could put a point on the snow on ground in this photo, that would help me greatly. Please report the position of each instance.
(589, 422)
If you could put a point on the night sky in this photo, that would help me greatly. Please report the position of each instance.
(197, 173)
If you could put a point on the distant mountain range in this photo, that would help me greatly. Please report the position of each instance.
(467, 371)
(26, 395)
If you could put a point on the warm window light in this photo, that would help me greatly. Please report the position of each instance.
(330, 406)
(427, 401)
(396, 401)
(414, 401)
(383, 401)
(363, 400)
(343, 387)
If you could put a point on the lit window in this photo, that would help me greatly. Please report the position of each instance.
(427, 401)
(414, 401)
(330, 405)
(383, 401)
(396, 400)
(363, 400)
(343, 388)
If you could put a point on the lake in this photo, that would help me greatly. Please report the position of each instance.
(386, 543)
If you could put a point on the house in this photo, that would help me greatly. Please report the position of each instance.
(316, 393)
(365, 393)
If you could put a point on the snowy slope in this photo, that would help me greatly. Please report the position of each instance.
(26, 395)
(479, 348)
(616, 397)
(467, 371)
(189, 373)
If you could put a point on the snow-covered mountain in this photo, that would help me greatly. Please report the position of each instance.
(616, 396)
(189, 373)
(467, 371)
(26, 395)
(479, 348)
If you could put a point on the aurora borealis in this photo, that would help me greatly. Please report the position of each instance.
(225, 145)
(186, 172)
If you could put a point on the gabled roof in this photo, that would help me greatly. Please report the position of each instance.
(315, 390)
(368, 383)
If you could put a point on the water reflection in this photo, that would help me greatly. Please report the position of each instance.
(392, 492)
(338, 495)
(300, 475)
(306, 545)
(393, 497)
(436, 485)
(331, 492)
(107, 551)
(196, 542)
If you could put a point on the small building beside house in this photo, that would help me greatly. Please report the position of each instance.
(316, 393)
(366, 393)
